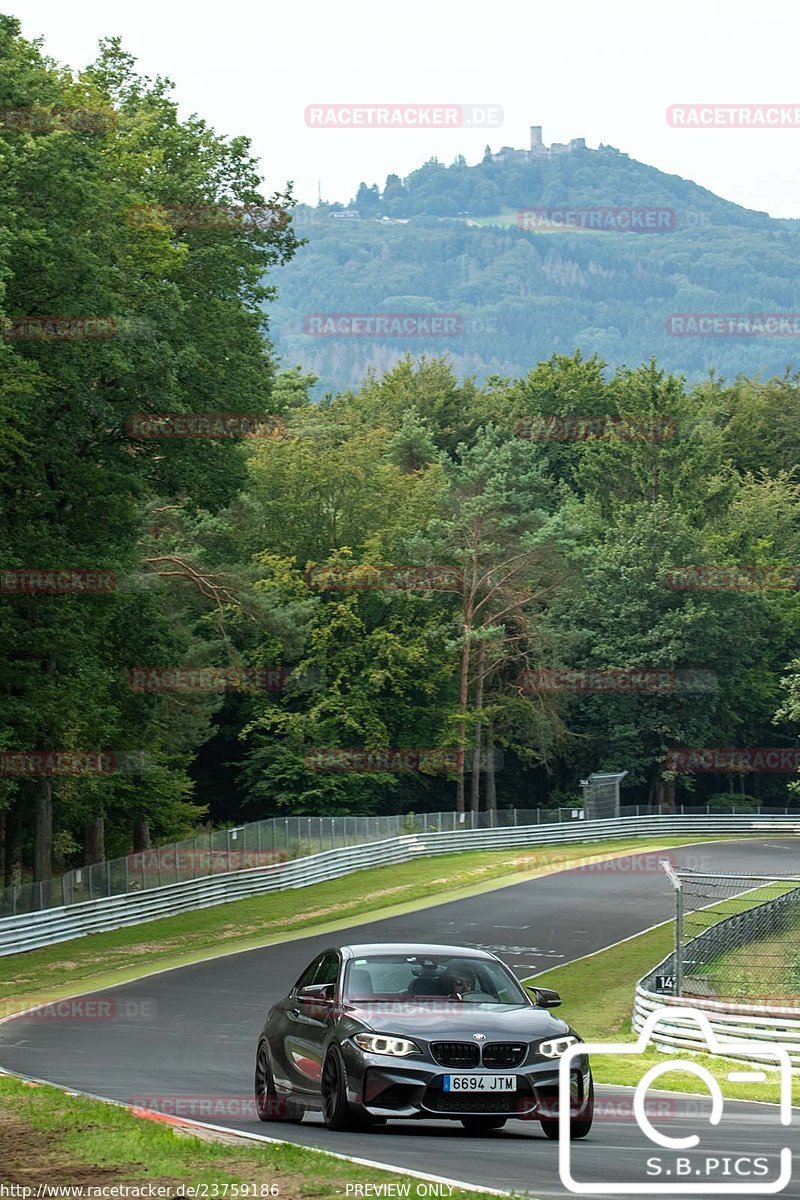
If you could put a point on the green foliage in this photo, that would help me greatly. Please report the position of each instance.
(726, 802)
(232, 554)
(77, 490)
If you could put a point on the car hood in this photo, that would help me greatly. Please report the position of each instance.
(434, 1021)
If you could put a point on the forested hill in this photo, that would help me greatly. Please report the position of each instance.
(448, 240)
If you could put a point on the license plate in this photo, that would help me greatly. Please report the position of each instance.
(480, 1083)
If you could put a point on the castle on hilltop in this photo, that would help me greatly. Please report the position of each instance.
(537, 150)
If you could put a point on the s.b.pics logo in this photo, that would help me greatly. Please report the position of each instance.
(700, 1155)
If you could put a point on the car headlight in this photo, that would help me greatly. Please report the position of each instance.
(381, 1043)
(555, 1047)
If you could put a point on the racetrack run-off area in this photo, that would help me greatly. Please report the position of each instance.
(200, 1035)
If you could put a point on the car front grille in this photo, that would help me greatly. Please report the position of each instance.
(472, 1102)
(462, 1055)
(504, 1054)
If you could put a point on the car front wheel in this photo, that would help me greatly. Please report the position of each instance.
(336, 1111)
(579, 1126)
(271, 1106)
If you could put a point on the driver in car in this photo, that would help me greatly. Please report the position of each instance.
(465, 985)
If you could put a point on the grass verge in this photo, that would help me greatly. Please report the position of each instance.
(103, 959)
(598, 999)
(770, 967)
(51, 1140)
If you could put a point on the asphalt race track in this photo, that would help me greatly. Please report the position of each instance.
(188, 1036)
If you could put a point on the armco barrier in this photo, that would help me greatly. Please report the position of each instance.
(33, 930)
(730, 1019)
(753, 1022)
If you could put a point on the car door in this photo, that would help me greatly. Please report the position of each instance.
(308, 1020)
(284, 1031)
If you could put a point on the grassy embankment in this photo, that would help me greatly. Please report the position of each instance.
(52, 1140)
(103, 959)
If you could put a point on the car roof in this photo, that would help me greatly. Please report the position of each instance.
(367, 948)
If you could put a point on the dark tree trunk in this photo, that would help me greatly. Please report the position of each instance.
(94, 842)
(668, 794)
(475, 781)
(12, 859)
(141, 835)
(43, 853)
(43, 805)
(463, 700)
(491, 782)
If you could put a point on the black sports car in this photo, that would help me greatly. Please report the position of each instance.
(401, 1031)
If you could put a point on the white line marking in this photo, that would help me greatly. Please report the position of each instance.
(260, 1137)
(747, 1076)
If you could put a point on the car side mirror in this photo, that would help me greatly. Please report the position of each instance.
(544, 997)
(317, 993)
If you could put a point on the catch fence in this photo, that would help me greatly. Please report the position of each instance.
(257, 844)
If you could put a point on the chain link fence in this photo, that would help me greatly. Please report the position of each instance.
(282, 839)
(257, 844)
(737, 937)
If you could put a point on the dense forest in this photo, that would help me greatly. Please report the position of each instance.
(388, 567)
(450, 239)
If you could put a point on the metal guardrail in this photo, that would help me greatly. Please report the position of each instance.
(255, 844)
(31, 931)
(277, 840)
(730, 1019)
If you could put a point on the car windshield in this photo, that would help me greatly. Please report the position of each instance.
(407, 978)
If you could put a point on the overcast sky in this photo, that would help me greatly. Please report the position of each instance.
(606, 70)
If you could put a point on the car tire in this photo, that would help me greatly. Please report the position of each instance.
(482, 1124)
(270, 1105)
(336, 1110)
(579, 1126)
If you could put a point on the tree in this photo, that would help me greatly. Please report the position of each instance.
(188, 331)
